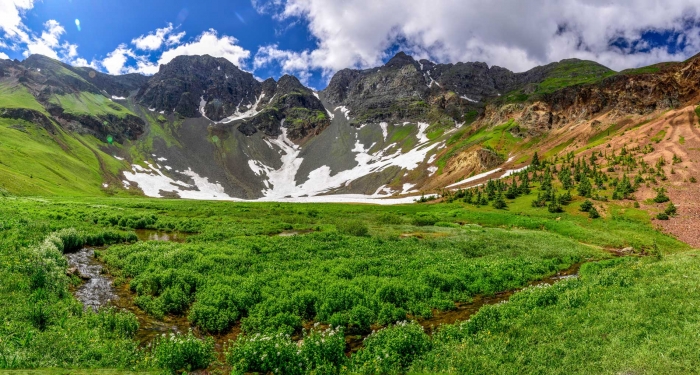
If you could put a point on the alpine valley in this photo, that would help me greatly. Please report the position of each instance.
(541, 222)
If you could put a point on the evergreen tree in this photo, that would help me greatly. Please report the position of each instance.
(584, 188)
(499, 203)
(535, 161)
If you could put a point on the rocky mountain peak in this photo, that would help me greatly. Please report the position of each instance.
(187, 81)
(400, 60)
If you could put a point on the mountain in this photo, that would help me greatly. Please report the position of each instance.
(203, 128)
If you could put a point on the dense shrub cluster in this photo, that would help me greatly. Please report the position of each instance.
(178, 352)
(274, 284)
(319, 352)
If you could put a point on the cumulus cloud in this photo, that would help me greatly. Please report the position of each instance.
(17, 36)
(125, 60)
(4, 56)
(154, 40)
(209, 43)
(11, 12)
(49, 43)
(511, 33)
(116, 60)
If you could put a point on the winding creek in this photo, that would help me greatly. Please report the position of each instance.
(98, 290)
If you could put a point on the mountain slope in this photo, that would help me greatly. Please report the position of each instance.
(203, 128)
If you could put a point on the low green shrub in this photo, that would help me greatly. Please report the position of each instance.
(423, 219)
(391, 350)
(320, 352)
(354, 228)
(177, 352)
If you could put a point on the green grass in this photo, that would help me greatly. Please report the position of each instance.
(651, 69)
(397, 264)
(33, 162)
(566, 73)
(18, 97)
(58, 371)
(600, 137)
(558, 148)
(621, 316)
(90, 104)
(658, 137)
(570, 73)
(400, 133)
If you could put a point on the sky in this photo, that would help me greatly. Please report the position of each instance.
(313, 39)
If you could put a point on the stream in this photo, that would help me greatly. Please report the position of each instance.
(98, 290)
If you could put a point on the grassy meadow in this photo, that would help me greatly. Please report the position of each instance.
(255, 279)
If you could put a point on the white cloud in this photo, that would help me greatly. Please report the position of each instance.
(209, 43)
(49, 43)
(115, 60)
(154, 40)
(174, 39)
(511, 33)
(81, 62)
(125, 60)
(11, 12)
(297, 63)
(3, 56)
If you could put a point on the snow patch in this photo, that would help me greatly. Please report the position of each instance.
(114, 97)
(468, 99)
(202, 104)
(118, 158)
(162, 159)
(316, 95)
(238, 115)
(406, 189)
(474, 178)
(385, 129)
(344, 110)
(283, 180)
(152, 181)
(422, 137)
(258, 167)
(105, 186)
(432, 170)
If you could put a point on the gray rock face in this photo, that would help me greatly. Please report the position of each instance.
(181, 84)
(303, 113)
(404, 89)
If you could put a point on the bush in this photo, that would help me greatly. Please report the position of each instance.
(662, 216)
(354, 228)
(554, 207)
(178, 352)
(389, 218)
(318, 352)
(661, 196)
(671, 209)
(499, 203)
(586, 206)
(391, 350)
(114, 323)
(593, 213)
(423, 219)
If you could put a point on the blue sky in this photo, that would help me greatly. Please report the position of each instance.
(314, 38)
